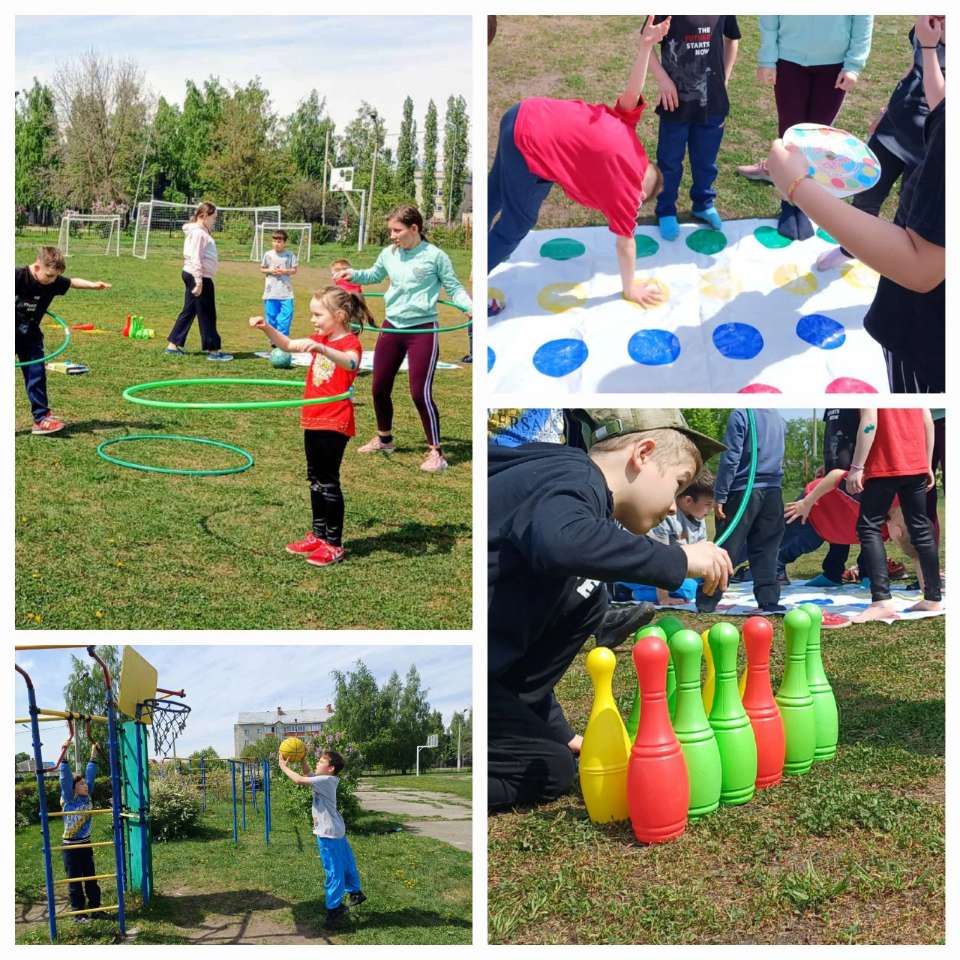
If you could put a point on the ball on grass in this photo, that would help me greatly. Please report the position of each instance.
(293, 749)
(280, 358)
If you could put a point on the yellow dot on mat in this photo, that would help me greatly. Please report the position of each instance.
(788, 277)
(651, 281)
(720, 284)
(859, 275)
(495, 293)
(559, 297)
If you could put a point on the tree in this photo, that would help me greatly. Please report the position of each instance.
(307, 129)
(265, 748)
(86, 692)
(429, 184)
(456, 155)
(413, 724)
(356, 704)
(200, 117)
(461, 723)
(36, 150)
(712, 422)
(407, 154)
(207, 753)
(802, 456)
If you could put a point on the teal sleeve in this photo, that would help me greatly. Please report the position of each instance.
(769, 52)
(376, 274)
(454, 288)
(861, 34)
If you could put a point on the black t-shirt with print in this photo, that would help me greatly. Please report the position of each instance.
(33, 298)
(692, 55)
(839, 438)
(912, 325)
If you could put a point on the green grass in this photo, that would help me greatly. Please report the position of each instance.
(207, 891)
(589, 58)
(102, 546)
(457, 782)
(851, 852)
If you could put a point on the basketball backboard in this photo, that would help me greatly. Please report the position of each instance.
(138, 682)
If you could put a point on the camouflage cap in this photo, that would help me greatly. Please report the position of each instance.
(606, 422)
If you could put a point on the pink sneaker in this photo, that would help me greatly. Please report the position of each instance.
(49, 424)
(308, 544)
(376, 445)
(434, 462)
(326, 556)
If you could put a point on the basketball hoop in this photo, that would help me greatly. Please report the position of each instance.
(169, 719)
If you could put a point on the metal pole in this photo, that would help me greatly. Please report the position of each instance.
(373, 170)
(253, 787)
(243, 795)
(418, 761)
(459, 731)
(233, 790)
(363, 220)
(266, 800)
(141, 813)
(203, 784)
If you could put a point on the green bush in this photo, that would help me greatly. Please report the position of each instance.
(447, 238)
(27, 805)
(175, 808)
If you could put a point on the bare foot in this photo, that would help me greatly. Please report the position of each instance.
(575, 744)
(880, 610)
(933, 605)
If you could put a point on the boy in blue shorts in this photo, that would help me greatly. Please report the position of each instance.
(278, 265)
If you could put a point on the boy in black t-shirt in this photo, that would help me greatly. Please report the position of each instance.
(35, 287)
(696, 59)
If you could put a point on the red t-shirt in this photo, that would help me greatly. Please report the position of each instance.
(326, 379)
(349, 287)
(589, 149)
(900, 449)
(834, 515)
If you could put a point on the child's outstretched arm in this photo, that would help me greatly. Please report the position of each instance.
(277, 338)
(77, 284)
(294, 776)
(451, 283)
(649, 35)
(800, 509)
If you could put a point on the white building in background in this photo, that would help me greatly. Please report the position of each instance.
(441, 196)
(301, 722)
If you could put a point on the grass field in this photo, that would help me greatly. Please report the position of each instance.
(589, 58)
(457, 782)
(207, 891)
(103, 546)
(851, 852)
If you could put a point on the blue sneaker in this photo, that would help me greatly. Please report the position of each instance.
(219, 355)
(669, 228)
(822, 580)
(710, 217)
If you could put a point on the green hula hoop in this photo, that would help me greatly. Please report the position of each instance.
(132, 394)
(246, 465)
(436, 329)
(732, 525)
(56, 353)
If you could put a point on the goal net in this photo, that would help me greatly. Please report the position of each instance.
(158, 228)
(89, 233)
(299, 239)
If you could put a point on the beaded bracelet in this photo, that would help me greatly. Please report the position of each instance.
(795, 184)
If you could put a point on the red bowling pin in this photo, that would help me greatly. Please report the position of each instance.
(658, 789)
(759, 704)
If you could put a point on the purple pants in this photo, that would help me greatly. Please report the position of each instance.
(421, 351)
(807, 94)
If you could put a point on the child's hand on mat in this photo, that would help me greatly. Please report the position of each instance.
(766, 76)
(258, 323)
(846, 81)
(647, 294)
(667, 94)
(798, 510)
(708, 561)
(785, 164)
(654, 32)
(929, 30)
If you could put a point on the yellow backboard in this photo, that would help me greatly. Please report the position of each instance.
(138, 682)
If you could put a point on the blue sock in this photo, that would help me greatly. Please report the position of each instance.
(669, 228)
(710, 216)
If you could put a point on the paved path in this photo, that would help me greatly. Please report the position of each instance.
(450, 817)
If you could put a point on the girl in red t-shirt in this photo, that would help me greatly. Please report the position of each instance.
(327, 427)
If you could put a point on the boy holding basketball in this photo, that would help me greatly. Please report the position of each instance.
(339, 867)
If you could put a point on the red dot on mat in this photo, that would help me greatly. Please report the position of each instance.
(837, 182)
(849, 385)
(759, 388)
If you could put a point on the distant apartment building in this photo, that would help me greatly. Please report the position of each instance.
(301, 722)
(441, 198)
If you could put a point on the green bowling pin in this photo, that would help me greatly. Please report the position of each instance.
(794, 698)
(669, 626)
(633, 721)
(730, 723)
(693, 730)
(826, 718)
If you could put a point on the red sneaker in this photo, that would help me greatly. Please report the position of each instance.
(49, 424)
(310, 543)
(895, 569)
(851, 575)
(326, 556)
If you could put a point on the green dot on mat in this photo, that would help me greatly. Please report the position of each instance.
(823, 235)
(562, 248)
(646, 246)
(706, 241)
(771, 238)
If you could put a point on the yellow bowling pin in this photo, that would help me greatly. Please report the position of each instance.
(710, 681)
(606, 747)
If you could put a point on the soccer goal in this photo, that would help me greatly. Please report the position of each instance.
(341, 181)
(158, 228)
(90, 233)
(299, 239)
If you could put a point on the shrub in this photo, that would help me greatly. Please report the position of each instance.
(27, 805)
(174, 808)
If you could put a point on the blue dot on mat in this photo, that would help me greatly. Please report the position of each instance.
(738, 341)
(491, 359)
(821, 331)
(821, 602)
(653, 347)
(557, 358)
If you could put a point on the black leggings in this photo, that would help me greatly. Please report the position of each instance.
(878, 494)
(324, 450)
(204, 308)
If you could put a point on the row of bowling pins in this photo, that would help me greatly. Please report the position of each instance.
(676, 762)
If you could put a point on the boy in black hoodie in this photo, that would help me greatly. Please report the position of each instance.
(562, 522)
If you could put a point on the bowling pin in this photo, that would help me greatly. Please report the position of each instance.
(826, 717)
(710, 680)
(606, 748)
(658, 788)
(738, 748)
(633, 721)
(669, 626)
(693, 730)
(793, 697)
(759, 704)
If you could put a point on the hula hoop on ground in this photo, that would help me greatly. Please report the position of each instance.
(133, 394)
(246, 465)
(56, 353)
(436, 329)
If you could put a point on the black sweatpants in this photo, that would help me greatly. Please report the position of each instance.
(760, 530)
(79, 863)
(878, 494)
(324, 450)
(203, 307)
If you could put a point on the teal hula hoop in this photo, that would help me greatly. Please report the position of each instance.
(246, 465)
(133, 395)
(732, 525)
(56, 353)
(436, 329)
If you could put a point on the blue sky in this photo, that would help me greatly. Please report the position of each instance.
(221, 681)
(347, 59)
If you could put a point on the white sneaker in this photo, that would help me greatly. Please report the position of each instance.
(376, 445)
(434, 462)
